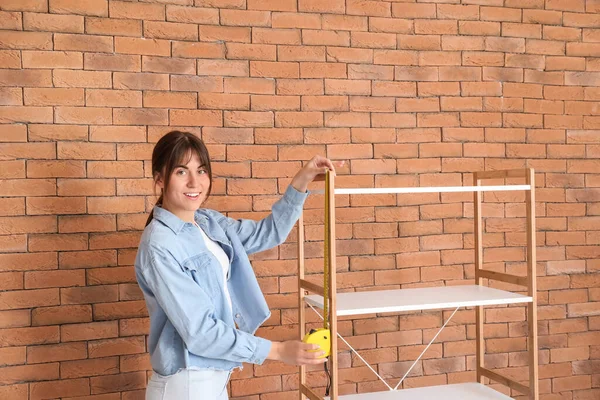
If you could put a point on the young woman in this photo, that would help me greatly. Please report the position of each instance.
(192, 265)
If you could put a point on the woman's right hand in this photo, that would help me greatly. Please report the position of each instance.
(296, 352)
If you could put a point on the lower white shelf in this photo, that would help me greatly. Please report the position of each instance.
(459, 391)
(414, 299)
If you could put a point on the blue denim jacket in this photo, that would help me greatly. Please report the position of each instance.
(191, 323)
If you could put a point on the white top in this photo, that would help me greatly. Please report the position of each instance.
(220, 255)
(413, 299)
(458, 391)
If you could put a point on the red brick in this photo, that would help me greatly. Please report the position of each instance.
(121, 309)
(223, 67)
(140, 81)
(13, 243)
(224, 33)
(26, 40)
(114, 205)
(419, 42)
(325, 103)
(112, 62)
(275, 103)
(86, 368)
(436, 27)
(296, 20)
(196, 83)
(373, 8)
(403, 10)
(334, 7)
(450, 42)
(84, 7)
(20, 187)
(251, 51)
(163, 99)
(170, 30)
(271, 69)
(373, 40)
(27, 78)
(29, 336)
(113, 98)
(54, 205)
(291, 119)
(276, 36)
(27, 5)
(483, 58)
(117, 134)
(55, 169)
(11, 20)
(325, 37)
(479, 28)
(13, 356)
(192, 14)
(88, 331)
(300, 86)
(278, 135)
(245, 18)
(149, 47)
(301, 53)
(345, 22)
(61, 315)
(248, 119)
(89, 79)
(196, 117)
(118, 382)
(47, 59)
(140, 116)
(107, 26)
(101, 44)
(251, 186)
(83, 115)
(184, 49)
(121, 9)
(54, 96)
(346, 119)
(26, 373)
(120, 169)
(10, 58)
(52, 22)
(14, 318)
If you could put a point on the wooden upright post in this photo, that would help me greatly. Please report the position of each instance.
(333, 364)
(532, 287)
(478, 244)
(301, 307)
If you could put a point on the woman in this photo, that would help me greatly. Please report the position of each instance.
(192, 265)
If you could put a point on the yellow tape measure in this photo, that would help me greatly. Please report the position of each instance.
(322, 336)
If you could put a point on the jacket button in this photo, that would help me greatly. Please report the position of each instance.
(237, 315)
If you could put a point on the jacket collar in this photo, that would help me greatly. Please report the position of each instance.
(171, 220)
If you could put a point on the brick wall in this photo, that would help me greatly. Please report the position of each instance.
(410, 92)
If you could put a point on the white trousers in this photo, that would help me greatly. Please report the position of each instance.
(189, 384)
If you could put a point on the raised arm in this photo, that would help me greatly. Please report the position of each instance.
(274, 229)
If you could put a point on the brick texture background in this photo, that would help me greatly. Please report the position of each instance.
(410, 92)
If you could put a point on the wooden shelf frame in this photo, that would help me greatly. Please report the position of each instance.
(529, 282)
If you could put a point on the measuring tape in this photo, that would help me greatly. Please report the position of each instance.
(322, 336)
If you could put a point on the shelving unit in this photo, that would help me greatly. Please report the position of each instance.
(430, 298)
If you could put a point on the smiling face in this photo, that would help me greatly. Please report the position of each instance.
(187, 188)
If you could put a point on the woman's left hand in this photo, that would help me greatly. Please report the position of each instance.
(316, 166)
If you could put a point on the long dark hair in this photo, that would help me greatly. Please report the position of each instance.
(170, 151)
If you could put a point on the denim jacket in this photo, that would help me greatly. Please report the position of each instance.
(191, 323)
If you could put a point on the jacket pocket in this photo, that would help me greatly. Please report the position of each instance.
(203, 270)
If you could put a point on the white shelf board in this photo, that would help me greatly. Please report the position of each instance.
(414, 299)
(429, 189)
(459, 391)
